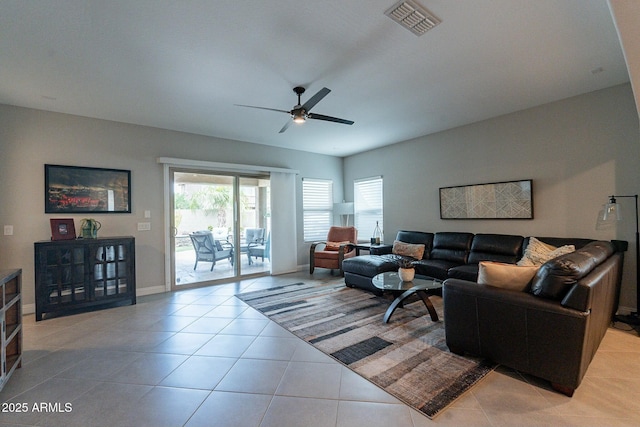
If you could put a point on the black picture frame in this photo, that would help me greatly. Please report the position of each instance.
(494, 200)
(78, 189)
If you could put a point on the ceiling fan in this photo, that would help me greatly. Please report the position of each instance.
(301, 113)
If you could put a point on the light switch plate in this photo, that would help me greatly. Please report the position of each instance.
(144, 226)
(8, 230)
(147, 214)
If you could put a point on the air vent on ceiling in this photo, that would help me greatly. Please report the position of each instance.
(413, 17)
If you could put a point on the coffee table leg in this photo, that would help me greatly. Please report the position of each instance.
(398, 303)
(427, 302)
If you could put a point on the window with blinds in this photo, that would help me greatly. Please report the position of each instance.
(367, 204)
(317, 206)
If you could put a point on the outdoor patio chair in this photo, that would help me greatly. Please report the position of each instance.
(210, 250)
(252, 236)
(259, 250)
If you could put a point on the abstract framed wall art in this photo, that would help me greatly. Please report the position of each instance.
(75, 189)
(496, 200)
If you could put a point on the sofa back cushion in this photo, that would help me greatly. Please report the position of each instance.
(451, 246)
(417, 238)
(554, 279)
(504, 248)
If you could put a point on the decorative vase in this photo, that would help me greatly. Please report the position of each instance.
(90, 228)
(376, 239)
(406, 274)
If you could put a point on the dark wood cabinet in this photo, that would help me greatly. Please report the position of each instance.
(11, 318)
(84, 274)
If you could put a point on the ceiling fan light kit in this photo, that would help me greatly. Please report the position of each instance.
(301, 112)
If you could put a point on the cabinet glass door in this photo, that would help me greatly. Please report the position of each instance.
(64, 275)
(110, 271)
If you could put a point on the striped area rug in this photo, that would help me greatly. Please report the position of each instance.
(407, 357)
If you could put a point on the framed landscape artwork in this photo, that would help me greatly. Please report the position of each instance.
(74, 189)
(496, 200)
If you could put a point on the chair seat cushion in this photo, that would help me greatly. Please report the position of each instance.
(334, 246)
(332, 254)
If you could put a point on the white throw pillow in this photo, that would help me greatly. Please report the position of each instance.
(507, 276)
(537, 252)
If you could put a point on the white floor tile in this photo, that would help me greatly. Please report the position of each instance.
(201, 357)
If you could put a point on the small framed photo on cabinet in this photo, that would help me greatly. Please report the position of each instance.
(62, 229)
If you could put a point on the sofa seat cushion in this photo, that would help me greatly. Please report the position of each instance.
(436, 268)
(554, 279)
(370, 265)
(464, 272)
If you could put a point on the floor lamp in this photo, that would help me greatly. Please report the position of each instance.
(343, 209)
(612, 211)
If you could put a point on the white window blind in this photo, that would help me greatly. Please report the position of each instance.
(367, 205)
(317, 206)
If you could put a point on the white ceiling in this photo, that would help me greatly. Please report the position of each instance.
(182, 65)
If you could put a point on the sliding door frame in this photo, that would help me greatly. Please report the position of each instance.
(169, 163)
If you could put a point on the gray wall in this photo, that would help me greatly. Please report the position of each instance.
(31, 138)
(578, 151)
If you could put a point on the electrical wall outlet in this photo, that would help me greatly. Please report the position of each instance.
(8, 230)
(144, 226)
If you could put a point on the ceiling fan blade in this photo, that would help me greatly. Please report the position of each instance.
(263, 108)
(286, 126)
(316, 98)
(329, 119)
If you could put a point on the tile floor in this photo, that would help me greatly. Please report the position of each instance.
(202, 357)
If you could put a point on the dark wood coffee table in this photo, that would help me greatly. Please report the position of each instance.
(368, 246)
(390, 282)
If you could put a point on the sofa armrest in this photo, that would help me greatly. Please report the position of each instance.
(517, 329)
(600, 288)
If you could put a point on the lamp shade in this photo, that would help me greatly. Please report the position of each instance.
(612, 211)
(344, 208)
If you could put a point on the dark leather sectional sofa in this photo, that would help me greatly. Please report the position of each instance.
(551, 330)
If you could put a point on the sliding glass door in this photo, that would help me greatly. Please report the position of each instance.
(220, 226)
